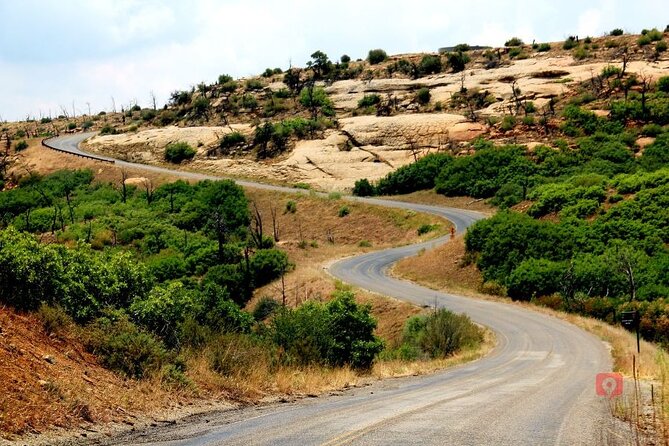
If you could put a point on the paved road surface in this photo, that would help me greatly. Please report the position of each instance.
(535, 388)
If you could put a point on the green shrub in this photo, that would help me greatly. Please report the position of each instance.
(652, 130)
(569, 43)
(611, 71)
(643, 40)
(343, 211)
(529, 120)
(661, 46)
(108, 130)
(430, 64)
(178, 152)
(515, 53)
(534, 278)
(654, 35)
(365, 244)
(426, 228)
(543, 47)
(20, 145)
(267, 265)
(253, 84)
(508, 123)
(616, 32)
(663, 84)
(123, 347)
(265, 308)
(345, 59)
(580, 53)
(231, 140)
(87, 125)
(369, 100)
(363, 188)
(54, 319)
(336, 333)
(376, 56)
(291, 207)
(423, 96)
(441, 334)
(514, 41)
(457, 61)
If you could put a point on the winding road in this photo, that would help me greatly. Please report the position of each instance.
(537, 386)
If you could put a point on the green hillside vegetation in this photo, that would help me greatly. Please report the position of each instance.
(593, 234)
(152, 276)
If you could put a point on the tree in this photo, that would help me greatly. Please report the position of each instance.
(320, 64)
(376, 56)
(317, 101)
(293, 80)
(457, 61)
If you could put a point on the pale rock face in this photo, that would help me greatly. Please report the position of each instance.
(371, 146)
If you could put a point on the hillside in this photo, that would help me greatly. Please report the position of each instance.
(368, 119)
(119, 284)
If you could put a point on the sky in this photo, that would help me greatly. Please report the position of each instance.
(97, 53)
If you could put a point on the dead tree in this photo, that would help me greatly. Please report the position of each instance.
(149, 189)
(256, 227)
(124, 186)
(275, 223)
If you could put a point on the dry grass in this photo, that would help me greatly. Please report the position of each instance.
(432, 270)
(45, 161)
(396, 368)
(432, 198)
(51, 380)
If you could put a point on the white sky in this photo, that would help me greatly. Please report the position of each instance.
(54, 53)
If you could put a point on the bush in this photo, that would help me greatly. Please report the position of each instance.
(265, 307)
(430, 64)
(543, 47)
(616, 32)
(363, 188)
(108, 130)
(643, 40)
(178, 152)
(369, 100)
(457, 61)
(345, 59)
(376, 56)
(661, 46)
(54, 319)
(291, 207)
(123, 347)
(337, 333)
(253, 84)
(534, 278)
(423, 96)
(652, 130)
(663, 84)
(343, 211)
(231, 140)
(267, 265)
(654, 35)
(508, 123)
(569, 43)
(441, 334)
(20, 146)
(580, 53)
(514, 41)
(425, 228)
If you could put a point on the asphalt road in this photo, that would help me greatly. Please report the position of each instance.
(537, 387)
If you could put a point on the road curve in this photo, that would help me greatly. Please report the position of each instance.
(537, 387)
